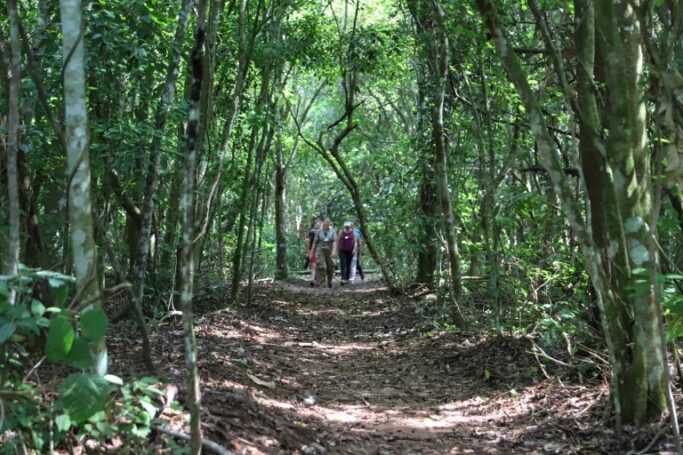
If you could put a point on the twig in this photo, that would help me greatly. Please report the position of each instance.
(217, 448)
(30, 372)
(540, 364)
(544, 354)
(590, 405)
(659, 434)
(170, 314)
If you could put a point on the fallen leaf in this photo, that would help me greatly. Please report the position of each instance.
(269, 384)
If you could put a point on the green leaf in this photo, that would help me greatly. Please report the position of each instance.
(83, 395)
(79, 356)
(94, 324)
(60, 338)
(63, 422)
(61, 293)
(150, 409)
(6, 331)
(49, 274)
(37, 308)
(110, 378)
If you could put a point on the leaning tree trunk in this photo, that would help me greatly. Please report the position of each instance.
(12, 145)
(83, 248)
(633, 336)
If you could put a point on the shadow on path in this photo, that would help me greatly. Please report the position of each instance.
(346, 371)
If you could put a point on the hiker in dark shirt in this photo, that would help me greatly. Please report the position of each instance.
(347, 246)
(315, 226)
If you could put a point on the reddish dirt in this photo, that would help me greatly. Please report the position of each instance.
(351, 371)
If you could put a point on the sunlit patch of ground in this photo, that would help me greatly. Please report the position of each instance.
(345, 371)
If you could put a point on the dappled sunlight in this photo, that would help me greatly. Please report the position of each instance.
(345, 348)
(321, 312)
(341, 363)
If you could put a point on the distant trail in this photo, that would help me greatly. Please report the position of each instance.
(346, 371)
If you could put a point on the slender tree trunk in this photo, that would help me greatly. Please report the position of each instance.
(12, 145)
(281, 269)
(248, 183)
(428, 252)
(163, 108)
(186, 259)
(78, 172)
(441, 153)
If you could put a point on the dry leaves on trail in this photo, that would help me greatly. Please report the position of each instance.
(347, 371)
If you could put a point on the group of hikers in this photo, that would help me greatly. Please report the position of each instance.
(324, 245)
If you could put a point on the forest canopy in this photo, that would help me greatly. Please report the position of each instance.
(512, 166)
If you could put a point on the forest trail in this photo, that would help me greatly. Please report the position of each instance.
(354, 370)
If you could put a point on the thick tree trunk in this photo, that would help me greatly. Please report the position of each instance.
(427, 255)
(79, 177)
(12, 146)
(618, 43)
(633, 337)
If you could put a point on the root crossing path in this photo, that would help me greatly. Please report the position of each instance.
(354, 370)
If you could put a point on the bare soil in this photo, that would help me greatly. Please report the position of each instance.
(355, 370)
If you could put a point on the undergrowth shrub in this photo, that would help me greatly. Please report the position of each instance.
(84, 407)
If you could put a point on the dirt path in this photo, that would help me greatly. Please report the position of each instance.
(346, 371)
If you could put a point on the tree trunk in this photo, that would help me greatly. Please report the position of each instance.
(440, 152)
(281, 269)
(12, 146)
(642, 390)
(152, 179)
(186, 259)
(428, 246)
(630, 314)
(79, 177)
(248, 183)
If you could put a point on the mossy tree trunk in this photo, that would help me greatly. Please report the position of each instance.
(615, 249)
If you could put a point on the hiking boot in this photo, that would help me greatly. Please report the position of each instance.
(312, 284)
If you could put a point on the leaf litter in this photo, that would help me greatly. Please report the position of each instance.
(350, 371)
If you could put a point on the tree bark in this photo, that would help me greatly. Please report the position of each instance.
(79, 176)
(427, 255)
(12, 146)
(152, 179)
(186, 258)
(633, 337)
(441, 153)
(281, 268)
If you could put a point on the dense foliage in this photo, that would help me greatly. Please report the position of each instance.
(336, 101)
